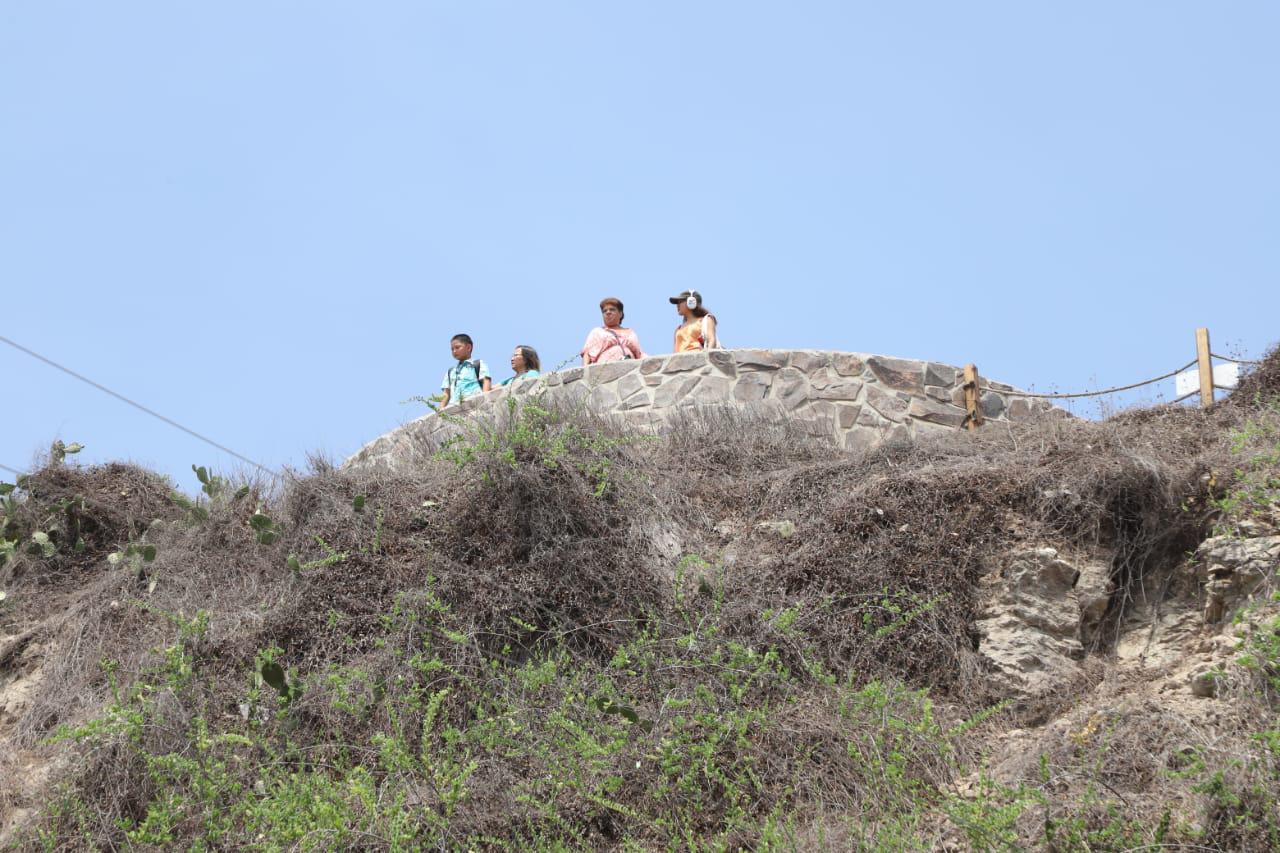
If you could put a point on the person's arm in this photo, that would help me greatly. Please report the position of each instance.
(445, 389)
(709, 339)
(486, 378)
(634, 341)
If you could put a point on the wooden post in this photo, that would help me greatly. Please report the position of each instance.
(972, 403)
(1206, 368)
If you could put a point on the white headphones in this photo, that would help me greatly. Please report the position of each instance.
(692, 302)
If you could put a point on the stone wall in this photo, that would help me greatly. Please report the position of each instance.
(857, 400)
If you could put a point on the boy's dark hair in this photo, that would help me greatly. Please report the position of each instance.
(466, 339)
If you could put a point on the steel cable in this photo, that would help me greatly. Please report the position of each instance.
(140, 407)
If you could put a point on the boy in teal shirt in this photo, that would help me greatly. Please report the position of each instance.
(467, 378)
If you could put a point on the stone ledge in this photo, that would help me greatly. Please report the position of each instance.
(857, 399)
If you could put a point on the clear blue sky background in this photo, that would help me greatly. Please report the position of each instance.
(265, 220)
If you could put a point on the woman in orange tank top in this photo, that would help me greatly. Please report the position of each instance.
(698, 331)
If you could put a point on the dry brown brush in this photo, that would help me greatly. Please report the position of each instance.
(559, 632)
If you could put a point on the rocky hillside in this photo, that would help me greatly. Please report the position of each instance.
(554, 634)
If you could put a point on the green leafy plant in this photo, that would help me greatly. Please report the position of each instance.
(533, 433)
(59, 451)
(331, 557)
(264, 529)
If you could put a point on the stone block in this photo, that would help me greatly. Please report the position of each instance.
(713, 389)
(644, 417)
(897, 434)
(1019, 409)
(674, 390)
(551, 380)
(572, 395)
(867, 417)
(653, 381)
(603, 397)
(752, 387)
(926, 427)
(723, 361)
(573, 374)
(821, 417)
(992, 404)
(810, 362)
(652, 365)
(888, 405)
(847, 389)
(819, 426)
(847, 364)
(897, 373)
(610, 371)
(847, 415)
(760, 359)
(684, 362)
(860, 440)
(942, 395)
(638, 399)
(791, 388)
(936, 413)
(939, 374)
(630, 384)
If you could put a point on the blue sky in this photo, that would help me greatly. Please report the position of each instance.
(265, 220)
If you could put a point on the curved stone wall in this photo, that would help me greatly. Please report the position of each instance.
(856, 399)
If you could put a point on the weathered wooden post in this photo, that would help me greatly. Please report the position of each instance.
(972, 401)
(1203, 359)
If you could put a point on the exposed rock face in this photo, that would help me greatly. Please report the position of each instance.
(1232, 569)
(857, 400)
(1039, 612)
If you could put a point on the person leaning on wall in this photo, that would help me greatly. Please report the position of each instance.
(611, 341)
(525, 363)
(698, 331)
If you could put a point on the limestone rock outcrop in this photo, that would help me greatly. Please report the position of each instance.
(1040, 611)
(1232, 569)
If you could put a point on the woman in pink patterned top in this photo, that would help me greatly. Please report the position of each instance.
(611, 342)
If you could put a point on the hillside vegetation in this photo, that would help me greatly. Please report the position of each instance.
(559, 635)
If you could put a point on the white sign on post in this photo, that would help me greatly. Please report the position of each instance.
(1224, 376)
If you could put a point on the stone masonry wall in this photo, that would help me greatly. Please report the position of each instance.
(858, 400)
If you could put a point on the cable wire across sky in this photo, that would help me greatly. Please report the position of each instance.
(170, 421)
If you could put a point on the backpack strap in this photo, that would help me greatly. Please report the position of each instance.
(455, 372)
